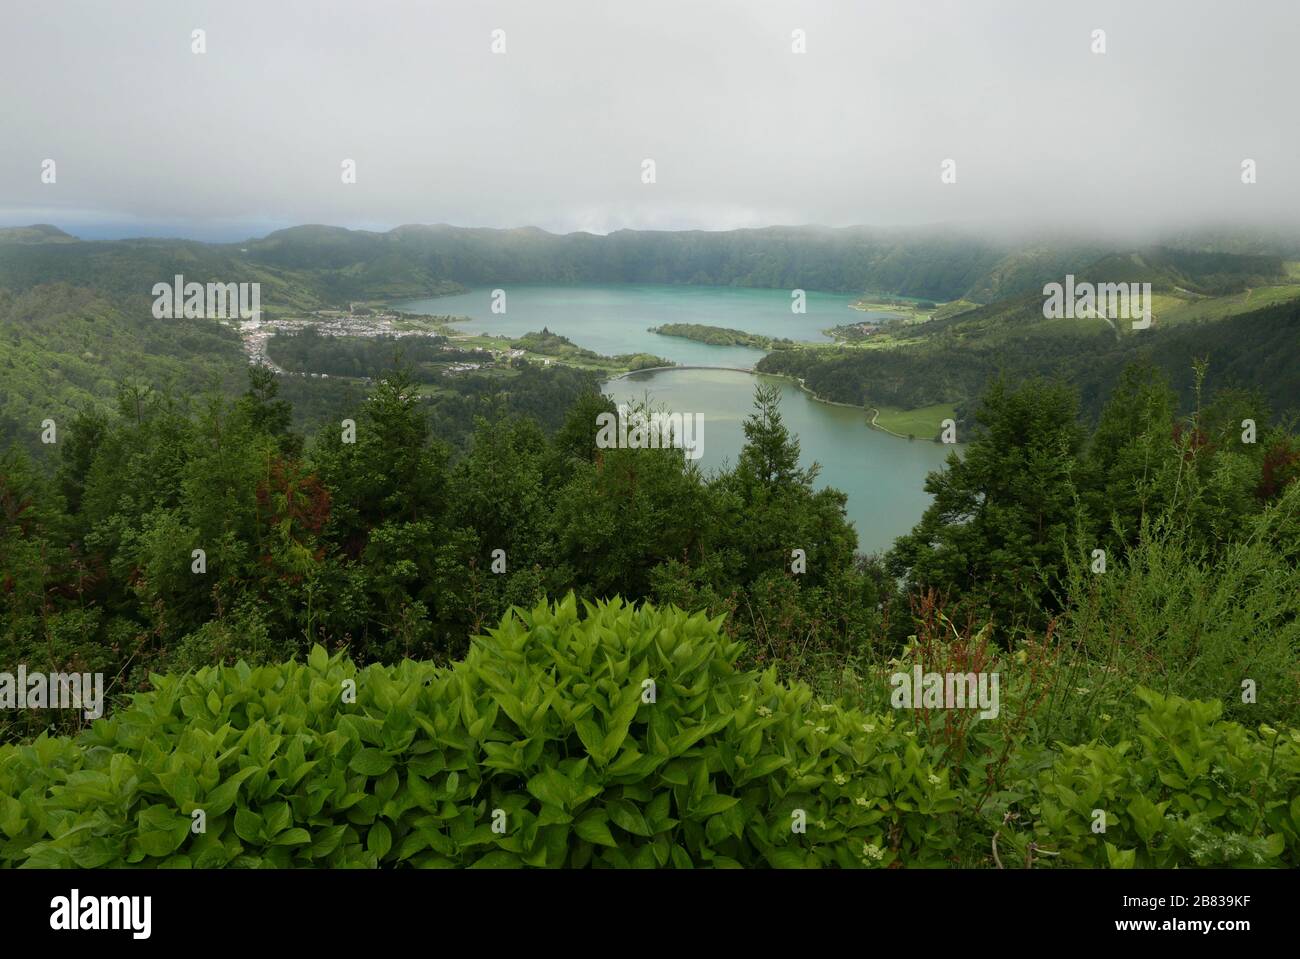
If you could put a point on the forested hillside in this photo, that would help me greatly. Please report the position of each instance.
(953, 361)
(847, 260)
(311, 265)
(63, 347)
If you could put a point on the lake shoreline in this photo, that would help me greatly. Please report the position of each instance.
(875, 411)
(883, 478)
(872, 424)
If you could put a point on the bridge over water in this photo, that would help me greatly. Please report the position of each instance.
(656, 369)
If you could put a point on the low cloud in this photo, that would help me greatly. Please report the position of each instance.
(150, 137)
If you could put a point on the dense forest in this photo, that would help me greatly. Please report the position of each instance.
(393, 547)
(1118, 541)
(384, 545)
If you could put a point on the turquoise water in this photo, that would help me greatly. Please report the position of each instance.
(883, 475)
(616, 319)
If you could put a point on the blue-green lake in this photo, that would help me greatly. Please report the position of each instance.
(883, 475)
(617, 319)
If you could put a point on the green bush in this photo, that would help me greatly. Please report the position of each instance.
(626, 737)
(1190, 791)
(547, 730)
(1174, 618)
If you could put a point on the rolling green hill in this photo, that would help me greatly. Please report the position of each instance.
(37, 233)
(62, 347)
(128, 269)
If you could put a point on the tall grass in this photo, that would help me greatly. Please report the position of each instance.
(1175, 617)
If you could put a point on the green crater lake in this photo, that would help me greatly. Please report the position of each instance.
(883, 475)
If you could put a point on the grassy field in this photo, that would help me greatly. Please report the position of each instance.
(895, 309)
(1268, 295)
(924, 423)
(911, 312)
(954, 308)
(1169, 310)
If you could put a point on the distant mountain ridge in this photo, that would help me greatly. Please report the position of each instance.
(36, 233)
(313, 265)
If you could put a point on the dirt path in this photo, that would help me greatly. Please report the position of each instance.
(875, 413)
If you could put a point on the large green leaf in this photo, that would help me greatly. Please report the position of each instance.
(292, 837)
(552, 787)
(593, 826)
(380, 839)
(371, 762)
(248, 825)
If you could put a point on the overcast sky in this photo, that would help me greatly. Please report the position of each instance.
(151, 138)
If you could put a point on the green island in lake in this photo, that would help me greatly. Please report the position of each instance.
(720, 335)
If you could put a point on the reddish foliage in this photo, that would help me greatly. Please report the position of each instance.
(1197, 440)
(13, 506)
(303, 500)
(1281, 467)
(942, 648)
